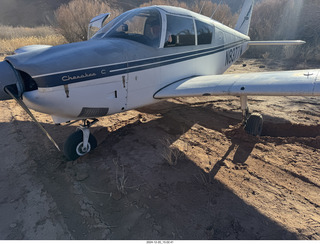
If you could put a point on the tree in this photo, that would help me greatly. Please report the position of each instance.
(73, 18)
(222, 14)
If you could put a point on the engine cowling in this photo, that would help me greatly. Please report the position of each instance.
(8, 76)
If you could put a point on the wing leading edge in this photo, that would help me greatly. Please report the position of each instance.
(278, 83)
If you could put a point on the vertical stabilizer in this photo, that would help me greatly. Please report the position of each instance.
(244, 20)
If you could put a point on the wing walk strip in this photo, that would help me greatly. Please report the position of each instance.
(56, 79)
(278, 83)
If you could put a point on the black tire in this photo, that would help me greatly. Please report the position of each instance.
(254, 124)
(72, 146)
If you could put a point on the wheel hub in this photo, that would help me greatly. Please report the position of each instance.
(81, 150)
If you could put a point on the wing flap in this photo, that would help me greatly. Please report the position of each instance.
(278, 83)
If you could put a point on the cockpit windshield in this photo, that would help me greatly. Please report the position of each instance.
(143, 26)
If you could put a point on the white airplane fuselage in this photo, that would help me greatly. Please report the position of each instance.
(113, 75)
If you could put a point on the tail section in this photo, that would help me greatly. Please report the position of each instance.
(244, 20)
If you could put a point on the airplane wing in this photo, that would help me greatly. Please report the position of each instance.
(278, 83)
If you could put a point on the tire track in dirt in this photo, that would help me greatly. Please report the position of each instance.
(276, 172)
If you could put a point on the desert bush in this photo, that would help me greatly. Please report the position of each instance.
(222, 14)
(265, 25)
(175, 3)
(266, 19)
(309, 29)
(287, 19)
(73, 18)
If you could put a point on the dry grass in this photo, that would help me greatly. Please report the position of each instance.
(12, 38)
(9, 32)
(121, 179)
(170, 153)
(7, 46)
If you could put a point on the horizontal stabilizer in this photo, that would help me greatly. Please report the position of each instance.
(276, 43)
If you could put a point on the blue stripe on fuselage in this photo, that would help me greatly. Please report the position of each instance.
(69, 77)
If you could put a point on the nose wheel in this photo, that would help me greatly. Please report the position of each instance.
(80, 142)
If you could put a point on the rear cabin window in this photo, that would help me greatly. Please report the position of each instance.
(219, 37)
(204, 32)
(180, 32)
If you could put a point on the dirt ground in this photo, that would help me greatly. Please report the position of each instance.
(181, 169)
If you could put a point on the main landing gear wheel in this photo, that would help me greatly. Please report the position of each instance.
(73, 147)
(254, 124)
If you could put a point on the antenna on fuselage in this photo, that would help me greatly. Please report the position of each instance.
(216, 9)
(204, 2)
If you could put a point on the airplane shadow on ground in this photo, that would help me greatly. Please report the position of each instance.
(179, 199)
(172, 203)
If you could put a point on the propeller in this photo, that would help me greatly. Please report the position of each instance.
(12, 91)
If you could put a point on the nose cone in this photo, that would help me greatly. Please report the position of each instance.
(7, 77)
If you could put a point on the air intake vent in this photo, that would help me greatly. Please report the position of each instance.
(93, 112)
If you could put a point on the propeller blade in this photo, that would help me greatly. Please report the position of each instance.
(12, 91)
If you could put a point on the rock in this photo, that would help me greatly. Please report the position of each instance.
(157, 228)
(116, 195)
(82, 176)
(13, 225)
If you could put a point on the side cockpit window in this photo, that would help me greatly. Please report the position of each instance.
(205, 33)
(180, 31)
(142, 26)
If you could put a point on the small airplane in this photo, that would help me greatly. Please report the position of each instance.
(140, 57)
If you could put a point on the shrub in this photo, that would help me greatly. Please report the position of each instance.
(223, 12)
(175, 3)
(309, 30)
(287, 19)
(73, 18)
